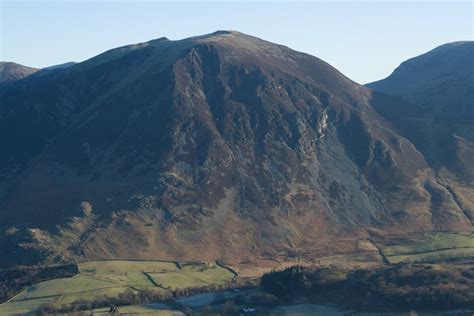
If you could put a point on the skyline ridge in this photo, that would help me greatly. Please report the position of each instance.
(371, 32)
(224, 32)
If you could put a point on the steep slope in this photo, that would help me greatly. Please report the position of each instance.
(442, 81)
(441, 85)
(216, 146)
(11, 71)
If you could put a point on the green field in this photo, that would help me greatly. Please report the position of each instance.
(112, 277)
(124, 266)
(22, 307)
(427, 247)
(147, 310)
(192, 276)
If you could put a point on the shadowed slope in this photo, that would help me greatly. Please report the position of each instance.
(440, 84)
(216, 146)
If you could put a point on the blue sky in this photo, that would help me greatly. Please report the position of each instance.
(365, 40)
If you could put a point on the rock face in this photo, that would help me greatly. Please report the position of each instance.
(12, 71)
(216, 146)
(441, 85)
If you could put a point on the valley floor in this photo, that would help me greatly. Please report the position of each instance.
(178, 285)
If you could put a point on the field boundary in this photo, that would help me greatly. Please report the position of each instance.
(219, 264)
(152, 281)
(379, 250)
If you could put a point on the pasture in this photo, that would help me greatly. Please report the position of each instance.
(429, 247)
(192, 275)
(111, 277)
(148, 310)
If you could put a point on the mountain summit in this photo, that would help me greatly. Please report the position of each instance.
(11, 71)
(216, 146)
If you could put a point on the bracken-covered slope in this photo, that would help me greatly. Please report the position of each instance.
(11, 71)
(217, 146)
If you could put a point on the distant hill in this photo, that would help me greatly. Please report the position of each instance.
(11, 71)
(442, 80)
(440, 84)
(216, 146)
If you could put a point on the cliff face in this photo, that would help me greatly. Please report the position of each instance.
(217, 146)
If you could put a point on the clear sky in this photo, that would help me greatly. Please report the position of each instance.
(365, 40)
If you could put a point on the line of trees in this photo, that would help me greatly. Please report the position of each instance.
(404, 287)
(13, 281)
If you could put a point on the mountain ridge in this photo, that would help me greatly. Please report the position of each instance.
(10, 71)
(440, 85)
(222, 145)
(420, 78)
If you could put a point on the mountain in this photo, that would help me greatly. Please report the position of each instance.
(60, 66)
(441, 80)
(440, 84)
(221, 146)
(11, 71)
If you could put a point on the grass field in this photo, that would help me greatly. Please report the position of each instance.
(22, 307)
(124, 266)
(148, 310)
(195, 275)
(427, 247)
(112, 277)
(439, 255)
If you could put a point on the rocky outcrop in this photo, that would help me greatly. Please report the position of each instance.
(217, 146)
